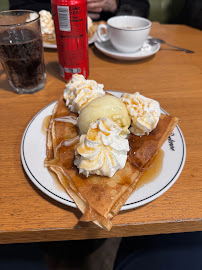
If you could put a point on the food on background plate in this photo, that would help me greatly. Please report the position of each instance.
(48, 30)
(47, 27)
(99, 163)
(92, 27)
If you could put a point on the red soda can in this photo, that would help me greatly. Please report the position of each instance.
(70, 19)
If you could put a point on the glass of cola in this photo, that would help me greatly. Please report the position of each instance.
(21, 50)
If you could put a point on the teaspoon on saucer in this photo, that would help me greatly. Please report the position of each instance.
(158, 40)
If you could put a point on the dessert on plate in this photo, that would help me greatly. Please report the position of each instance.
(99, 145)
(47, 27)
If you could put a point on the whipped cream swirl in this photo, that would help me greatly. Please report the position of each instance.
(47, 24)
(103, 150)
(79, 92)
(145, 113)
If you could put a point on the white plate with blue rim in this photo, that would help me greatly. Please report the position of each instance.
(33, 153)
(148, 49)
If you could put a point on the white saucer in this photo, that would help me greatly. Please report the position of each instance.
(33, 153)
(146, 51)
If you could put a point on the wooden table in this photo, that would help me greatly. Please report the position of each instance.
(174, 79)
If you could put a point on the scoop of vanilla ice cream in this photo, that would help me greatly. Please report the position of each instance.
(106, 106)
(79, 92)
(47, 24)
(103, 150)
(145, 113)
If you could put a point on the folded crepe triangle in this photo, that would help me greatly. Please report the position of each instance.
(99, 198)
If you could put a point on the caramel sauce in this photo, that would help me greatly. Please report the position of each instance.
(125, 180)
(153, 171)
(45, 124)
(92, 134)
(64, 147)
(65, 154)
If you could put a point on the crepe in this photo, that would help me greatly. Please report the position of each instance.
(99, 198)
(49, 38)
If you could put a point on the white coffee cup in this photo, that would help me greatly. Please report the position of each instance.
(126, 33)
